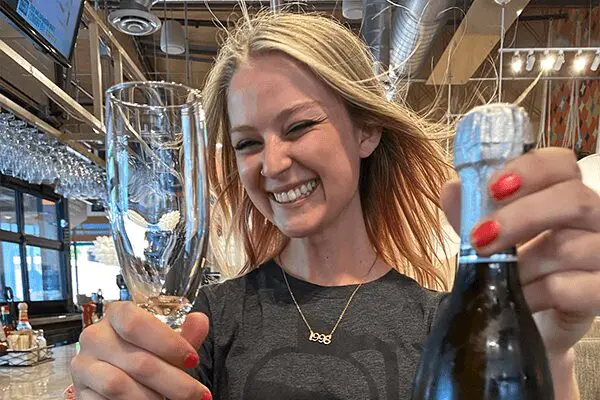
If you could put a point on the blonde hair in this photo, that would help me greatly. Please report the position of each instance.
(400, 182)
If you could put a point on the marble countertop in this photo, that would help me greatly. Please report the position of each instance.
(46, 381)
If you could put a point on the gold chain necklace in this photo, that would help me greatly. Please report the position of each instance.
(316, 336)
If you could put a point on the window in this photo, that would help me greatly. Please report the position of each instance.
(89, 275)
(10, 268)
(8, 210)
(45, 274)
(40, 217)
(34, 247)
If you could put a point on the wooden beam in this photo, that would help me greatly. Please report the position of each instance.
(49, 129)
(106, 32)
(85, 238)
(96, 220)
(96, 67)
(118, 68)
(475, 38)
(79, 136)
(52, 90)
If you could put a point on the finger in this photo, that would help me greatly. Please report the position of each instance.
(195, 328)
(109, 381)
(88, 394)
(565, 205)
(571, 293)
(450, 200)
(561, 250)
(69, 393)
(532, 172)
(143, 367)
(133, 324)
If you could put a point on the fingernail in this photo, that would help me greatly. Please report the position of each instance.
(207, 396)
(485, 233)
(505, 186)
(191, 360)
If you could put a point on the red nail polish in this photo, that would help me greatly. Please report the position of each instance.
(191, 360)
(505, 186)
(485, 233)
(207, 396)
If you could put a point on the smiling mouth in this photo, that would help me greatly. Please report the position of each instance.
(298, 193)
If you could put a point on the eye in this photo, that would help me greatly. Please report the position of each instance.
(245, 144)
(301, 126)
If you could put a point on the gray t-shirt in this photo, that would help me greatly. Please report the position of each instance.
(258, 346)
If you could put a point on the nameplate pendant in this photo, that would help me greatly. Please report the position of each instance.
(319, 338)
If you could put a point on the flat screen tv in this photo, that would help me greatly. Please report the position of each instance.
(52, 24)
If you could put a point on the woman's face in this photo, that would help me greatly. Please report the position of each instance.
(297, 151)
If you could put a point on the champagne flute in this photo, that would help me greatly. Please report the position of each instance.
(158, 199)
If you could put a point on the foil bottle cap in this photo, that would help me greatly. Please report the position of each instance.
(487, 137)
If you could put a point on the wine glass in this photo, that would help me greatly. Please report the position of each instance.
(158, 198)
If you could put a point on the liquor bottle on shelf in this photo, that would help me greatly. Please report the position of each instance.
(23, 324)
(42, 344)
(10, 302)
(3, 335)
(99, 304)
(485, 344)
(7, 321)
(123, 291)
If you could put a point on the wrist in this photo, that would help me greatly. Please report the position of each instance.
(562, 367)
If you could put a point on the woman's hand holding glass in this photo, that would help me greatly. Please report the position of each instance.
(131, 355)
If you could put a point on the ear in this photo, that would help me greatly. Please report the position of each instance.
(369, 140)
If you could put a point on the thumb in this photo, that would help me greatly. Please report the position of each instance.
(450, 199)
(195, 328)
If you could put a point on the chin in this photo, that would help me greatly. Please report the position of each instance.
(299, 227)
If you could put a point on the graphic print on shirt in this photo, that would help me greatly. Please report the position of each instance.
(311, 370)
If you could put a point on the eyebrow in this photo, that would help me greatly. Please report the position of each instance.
(282, 115)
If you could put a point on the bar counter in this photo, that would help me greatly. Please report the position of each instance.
(46, 381)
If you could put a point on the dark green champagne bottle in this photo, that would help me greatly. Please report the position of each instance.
(485, 344)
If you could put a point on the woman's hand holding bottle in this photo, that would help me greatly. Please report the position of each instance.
(547, 211)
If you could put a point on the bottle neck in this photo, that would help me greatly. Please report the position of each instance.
(494, 277)
(23, 315)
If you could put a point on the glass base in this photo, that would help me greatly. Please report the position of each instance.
(171, 310)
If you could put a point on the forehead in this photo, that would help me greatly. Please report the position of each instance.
(266, 84)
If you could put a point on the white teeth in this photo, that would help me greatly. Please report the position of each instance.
(300, 192)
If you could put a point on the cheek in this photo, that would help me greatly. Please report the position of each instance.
(249, 172)
(338, 161)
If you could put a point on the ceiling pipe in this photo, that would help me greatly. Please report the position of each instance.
(276, 5)
(375, 32)
(415, 25)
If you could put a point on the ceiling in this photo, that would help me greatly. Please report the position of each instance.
(203, 20)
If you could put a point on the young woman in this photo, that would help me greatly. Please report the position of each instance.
(332, 192)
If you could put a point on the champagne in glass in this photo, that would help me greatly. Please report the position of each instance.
(485, 344)
(158, 198)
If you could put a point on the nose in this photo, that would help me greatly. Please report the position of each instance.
(276, 158)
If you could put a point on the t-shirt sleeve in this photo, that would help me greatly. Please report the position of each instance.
(436, 304)
(204, 371)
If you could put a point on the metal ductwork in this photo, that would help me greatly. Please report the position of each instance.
(377, 16)
(276, 5)
(414, 27)
(133, 17)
